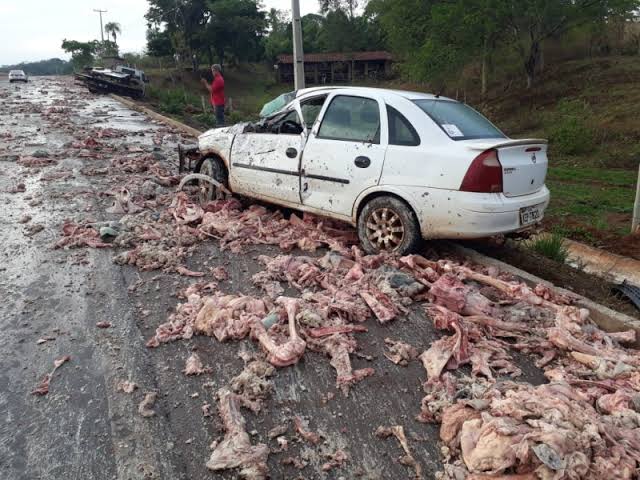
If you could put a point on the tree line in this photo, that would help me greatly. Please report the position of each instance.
(52, 66)
(433, 40)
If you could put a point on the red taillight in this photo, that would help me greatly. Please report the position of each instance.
(484, 174)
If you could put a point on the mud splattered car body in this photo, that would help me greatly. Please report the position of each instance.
(399, 165)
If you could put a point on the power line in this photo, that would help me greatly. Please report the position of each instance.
(101, 29)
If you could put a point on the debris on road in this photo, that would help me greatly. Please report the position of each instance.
(408, 459)
(126, 386)
(335, 460)
(18, 188)
(236, 450)
(33, 228)
(400, 353)
(194, 366)
(145, 408)
(43, 387)
(103, 325)
(302, 428)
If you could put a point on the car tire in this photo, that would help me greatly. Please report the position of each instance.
(214, 168)
(387, 223)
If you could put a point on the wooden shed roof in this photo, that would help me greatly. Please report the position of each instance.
(338, 57)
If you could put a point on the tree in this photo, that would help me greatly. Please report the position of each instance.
(531, 22)
(236, 27)
(463, 31)
(113, 29)
(159, 43)
(81, 52)
(347, 6)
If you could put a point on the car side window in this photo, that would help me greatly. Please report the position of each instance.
(288, 124)
(401, 132)
(311, 109)
(354, 119)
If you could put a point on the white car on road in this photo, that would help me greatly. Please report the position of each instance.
(398, 165)
(18, 76)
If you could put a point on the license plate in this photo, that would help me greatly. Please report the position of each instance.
(529, 215)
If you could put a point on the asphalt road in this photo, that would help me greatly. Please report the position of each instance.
(85, 428)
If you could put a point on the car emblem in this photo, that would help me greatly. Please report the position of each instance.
(533, 158)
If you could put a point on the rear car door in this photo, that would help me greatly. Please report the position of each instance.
(266, 165)
(344, 153)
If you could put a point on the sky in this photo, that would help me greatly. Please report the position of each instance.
(34, 29)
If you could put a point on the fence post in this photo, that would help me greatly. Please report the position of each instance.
(635, 223)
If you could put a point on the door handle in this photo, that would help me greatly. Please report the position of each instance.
(291, 152)
(362, 162)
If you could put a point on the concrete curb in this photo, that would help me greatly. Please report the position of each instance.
(604, 264)
(607, 319)
(156, 116)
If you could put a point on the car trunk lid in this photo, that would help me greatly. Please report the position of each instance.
(524, 163)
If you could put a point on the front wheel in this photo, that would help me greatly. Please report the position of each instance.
(214, 168)
(387, 224)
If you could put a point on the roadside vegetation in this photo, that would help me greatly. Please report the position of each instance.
(551, 246)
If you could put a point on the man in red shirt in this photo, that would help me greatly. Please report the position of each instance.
(216, 89)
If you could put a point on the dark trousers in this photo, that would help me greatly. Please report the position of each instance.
(219, 111)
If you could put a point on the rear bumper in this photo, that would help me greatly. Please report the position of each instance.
(454, 214)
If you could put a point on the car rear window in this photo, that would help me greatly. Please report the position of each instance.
(458, 120)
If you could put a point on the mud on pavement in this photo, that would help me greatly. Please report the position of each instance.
(404, 367)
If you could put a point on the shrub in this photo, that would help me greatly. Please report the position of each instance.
(550, 245)
(569, 131)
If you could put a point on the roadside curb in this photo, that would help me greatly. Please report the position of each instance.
(155, 115)
(607, 319)
(604, 264)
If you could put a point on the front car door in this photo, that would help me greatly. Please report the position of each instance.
(344, 153)
(267, 165)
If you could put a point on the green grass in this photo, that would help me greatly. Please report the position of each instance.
(579, 174)
(551, 246)
(589, 201)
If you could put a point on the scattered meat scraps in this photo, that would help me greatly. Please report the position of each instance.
(36, 162)
(194, 366)
(126, 386)
(75, 235)
(303, 430)
(289, 352)
(43, 387)
(236, 450)
(145, 408)
(336, 459)
(408, 460)
(400, 353)
(252, 384)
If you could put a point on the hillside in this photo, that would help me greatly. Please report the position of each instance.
(587, 108)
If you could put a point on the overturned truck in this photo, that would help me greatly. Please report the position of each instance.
(121, 80)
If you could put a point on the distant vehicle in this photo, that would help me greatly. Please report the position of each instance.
(18, 76)
(398, 165)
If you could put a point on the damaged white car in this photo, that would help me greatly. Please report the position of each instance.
(398, 165)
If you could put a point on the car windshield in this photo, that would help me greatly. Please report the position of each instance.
(17, 72)
(458, 120)
(277, 104)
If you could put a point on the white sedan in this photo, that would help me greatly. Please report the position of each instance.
(398, 165)
(18, 76)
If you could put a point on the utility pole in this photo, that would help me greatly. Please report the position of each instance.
(101, 29)
(635, 222)
(298, 53)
